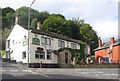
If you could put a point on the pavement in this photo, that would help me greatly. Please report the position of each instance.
(18, 71)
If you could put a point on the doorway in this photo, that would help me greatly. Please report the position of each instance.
(66, 57)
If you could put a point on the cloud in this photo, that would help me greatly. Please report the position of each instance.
(106, 29)
(102, 15)
(92, 12)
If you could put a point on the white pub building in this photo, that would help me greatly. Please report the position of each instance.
(45, 47)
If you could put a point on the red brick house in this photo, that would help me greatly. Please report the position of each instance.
(109, 50)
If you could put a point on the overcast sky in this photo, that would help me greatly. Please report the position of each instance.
(102, 15)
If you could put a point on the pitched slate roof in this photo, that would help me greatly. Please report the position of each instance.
(55, 35)
(107, 45)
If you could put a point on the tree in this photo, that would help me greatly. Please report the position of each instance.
(89, 35)
(7, 10)
(7, 17)
(87, 32)
(10, 19)
(42, 16)
(75, 28)
(57, 15)
(23, 14)
(34, 23)
(5, 34)
(57, 24)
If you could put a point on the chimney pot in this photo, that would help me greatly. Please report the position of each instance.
(16, 19)
(38, 25)
(112, 41)
(99, 42)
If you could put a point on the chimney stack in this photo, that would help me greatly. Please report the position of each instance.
(112, 41)
(99, 42)
(16, 19)
(38, 25)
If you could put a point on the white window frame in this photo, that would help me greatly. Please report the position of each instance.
(23, 57)
(61, 43)
(73, 45)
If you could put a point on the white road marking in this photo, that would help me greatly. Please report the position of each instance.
(32, 72)
(111, 74)
(25, 70)
(13, 70)
(2, 70)
(38, 73)
(84, 72)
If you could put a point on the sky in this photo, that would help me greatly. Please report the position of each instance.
(102, 15)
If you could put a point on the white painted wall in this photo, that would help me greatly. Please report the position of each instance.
(17, 35)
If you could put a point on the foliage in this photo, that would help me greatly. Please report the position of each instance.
(57, 15)
(43, 16)
(34, 23)
(7, 17)
(2, 52)
(5, 34)
(23, 13)
(7, 10)
(58, 25)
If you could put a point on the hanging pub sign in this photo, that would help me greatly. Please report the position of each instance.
(36, 40)
(24, 41)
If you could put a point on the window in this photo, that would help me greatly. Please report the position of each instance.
(8, 43)
(13, 42)
(61, 44)
(35, 41)
(42, 55)
(73, 46)
(49, 54)
(45, 41)
(48, 41)
(39, 54)
(24, 55)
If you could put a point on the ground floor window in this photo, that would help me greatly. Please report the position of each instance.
(49, 55)
(39, 54)
(24, 55)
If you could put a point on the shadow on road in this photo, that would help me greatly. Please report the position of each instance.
(8, 77)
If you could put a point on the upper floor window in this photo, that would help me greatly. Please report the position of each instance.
(61, 44)
(8, 43)
(73, 46)
(45, 41)
(13, 42)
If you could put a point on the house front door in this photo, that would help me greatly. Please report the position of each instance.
(66, 57)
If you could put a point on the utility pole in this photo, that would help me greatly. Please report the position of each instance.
(28, 32)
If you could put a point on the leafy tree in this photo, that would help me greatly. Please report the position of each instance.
(42, 16)
(5, 34)
(58, 25)
(34, 23)
(10, 18)
(23, 14)
(7, 10)
(56, 15)
(7, 17)
(89, 35)
(75, 28)
(87, 32)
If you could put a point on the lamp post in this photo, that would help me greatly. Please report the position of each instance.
(28, 32)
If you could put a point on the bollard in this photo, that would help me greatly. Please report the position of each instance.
(41, 64)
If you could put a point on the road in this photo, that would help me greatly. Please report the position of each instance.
(19, 71)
